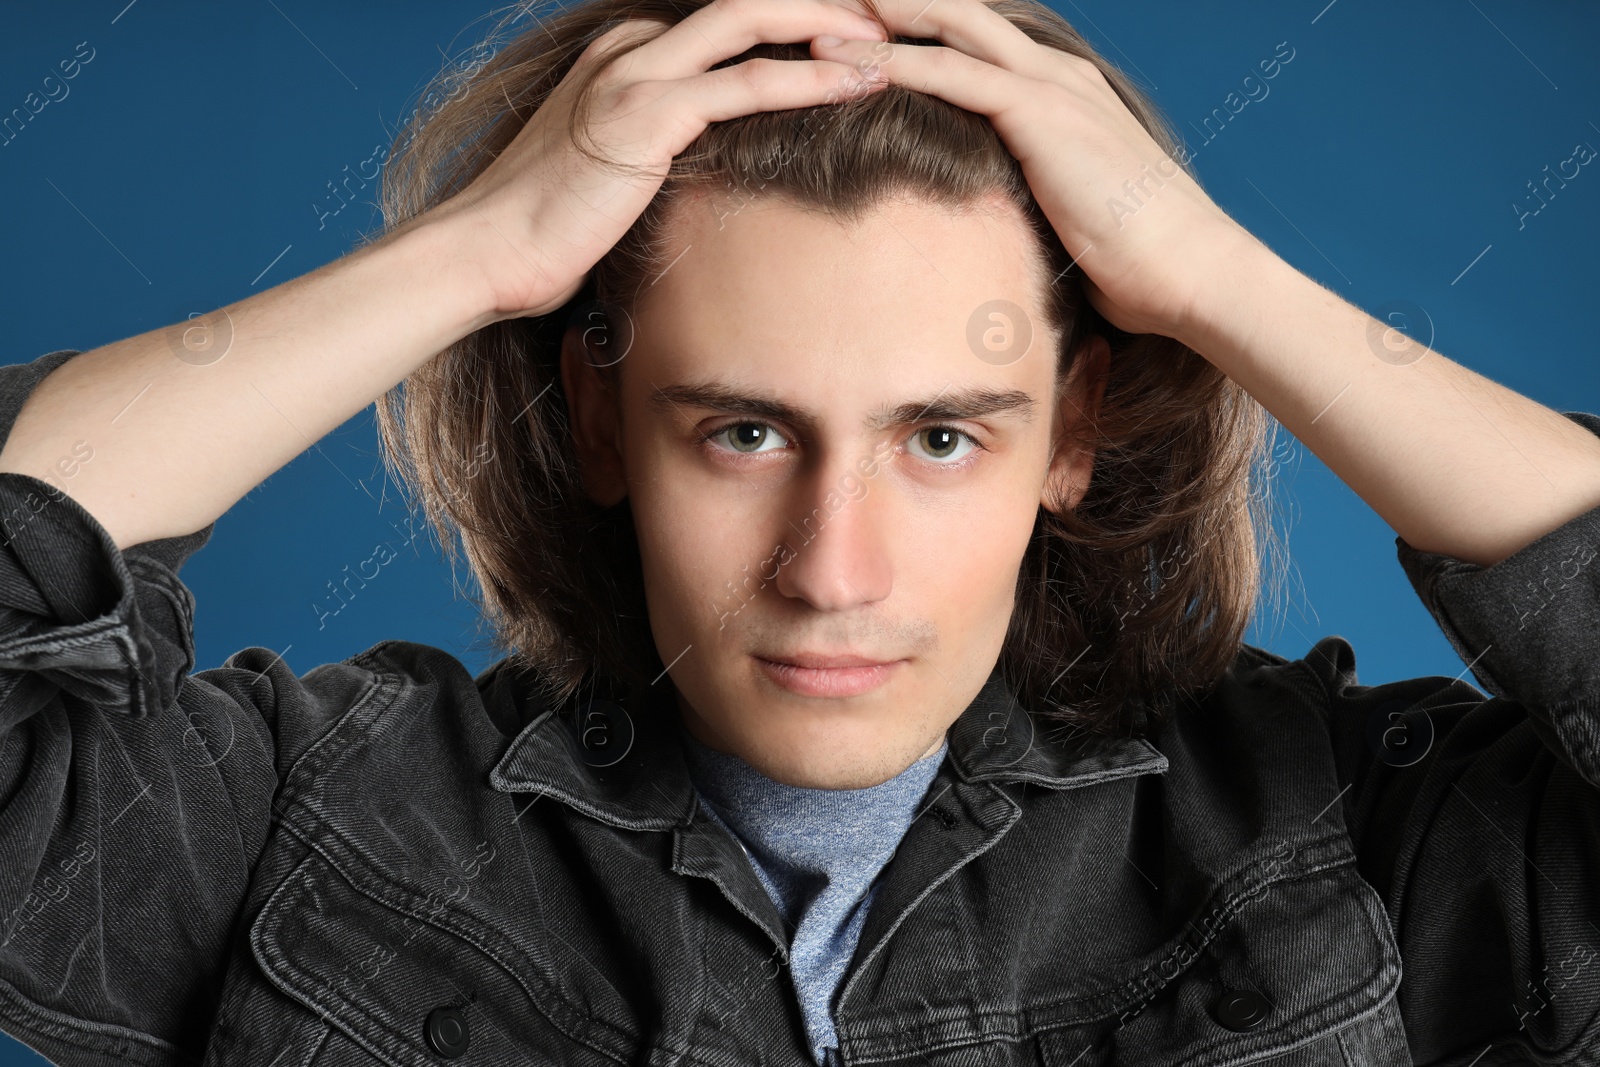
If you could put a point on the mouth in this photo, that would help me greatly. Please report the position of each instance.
(810, 674)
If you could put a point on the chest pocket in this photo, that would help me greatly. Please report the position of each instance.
(412, 984)
(1301, 972)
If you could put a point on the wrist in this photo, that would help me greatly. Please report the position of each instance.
(445, 252)
(1241, 277)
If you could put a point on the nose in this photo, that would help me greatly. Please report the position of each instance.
(840, 533)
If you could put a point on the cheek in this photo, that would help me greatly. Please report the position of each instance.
(970, 573)
(695, 546)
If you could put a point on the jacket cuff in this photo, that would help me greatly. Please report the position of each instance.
(1529, 626)
(113, 630)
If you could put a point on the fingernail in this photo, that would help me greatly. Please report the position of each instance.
(828, 40)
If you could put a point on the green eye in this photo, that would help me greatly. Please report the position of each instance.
(747, 437)
(943, 441)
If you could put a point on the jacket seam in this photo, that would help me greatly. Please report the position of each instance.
(380, 680)
(1023, 1030)
(92, 632)
(1367, 1013)
(91, 1036)
(159, 578)
(1230, 906)
(316, 1046)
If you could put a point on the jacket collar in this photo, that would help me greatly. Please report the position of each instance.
(628, 769)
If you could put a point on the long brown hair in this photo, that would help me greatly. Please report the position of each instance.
(1137, 596)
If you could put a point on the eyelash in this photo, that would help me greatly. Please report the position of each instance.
(966, 461)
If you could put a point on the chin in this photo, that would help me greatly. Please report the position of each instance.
(852, 757)
(810, 774)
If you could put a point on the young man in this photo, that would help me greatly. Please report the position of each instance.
(778, 780)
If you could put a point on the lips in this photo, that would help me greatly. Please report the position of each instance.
(821, 661)
(815, 674)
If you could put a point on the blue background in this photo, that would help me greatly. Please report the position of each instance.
(183, 171)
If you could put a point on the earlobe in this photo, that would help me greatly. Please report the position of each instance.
(594, 419)
(1077, 408)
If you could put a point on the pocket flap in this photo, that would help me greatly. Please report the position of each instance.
(377, 970)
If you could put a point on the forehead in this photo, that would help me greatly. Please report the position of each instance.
(768, 291)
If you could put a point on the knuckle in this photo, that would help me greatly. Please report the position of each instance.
(621, 31)
(752, 73)
(627, 29)
(736, 9)
(1091, 70)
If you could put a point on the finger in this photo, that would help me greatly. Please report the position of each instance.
(725, 28)
(974, 28)
(774, 85)
(954, 76)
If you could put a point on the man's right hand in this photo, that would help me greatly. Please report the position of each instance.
(543, 213)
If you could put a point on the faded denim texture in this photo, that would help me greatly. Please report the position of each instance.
(242, 866)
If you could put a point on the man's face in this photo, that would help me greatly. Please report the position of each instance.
(846, 516)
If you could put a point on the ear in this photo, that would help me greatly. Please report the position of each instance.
(1078, 403)
(594, 416)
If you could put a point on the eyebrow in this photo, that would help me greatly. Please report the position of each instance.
(971, 402)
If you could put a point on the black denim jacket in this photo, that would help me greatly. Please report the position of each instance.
(389, 861)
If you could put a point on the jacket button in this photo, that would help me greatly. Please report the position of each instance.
(446, 1030)
(1241, 1009)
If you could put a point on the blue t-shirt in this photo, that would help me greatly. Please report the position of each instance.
(818, 852)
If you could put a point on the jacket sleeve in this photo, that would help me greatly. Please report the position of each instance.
(1477, 816)
(135, 797)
